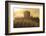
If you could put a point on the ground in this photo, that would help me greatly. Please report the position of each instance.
(26, 22)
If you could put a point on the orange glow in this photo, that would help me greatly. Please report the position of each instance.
(19, 12)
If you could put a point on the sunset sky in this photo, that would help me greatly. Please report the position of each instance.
(19, 12)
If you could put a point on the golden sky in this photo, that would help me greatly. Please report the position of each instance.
(19, 12)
